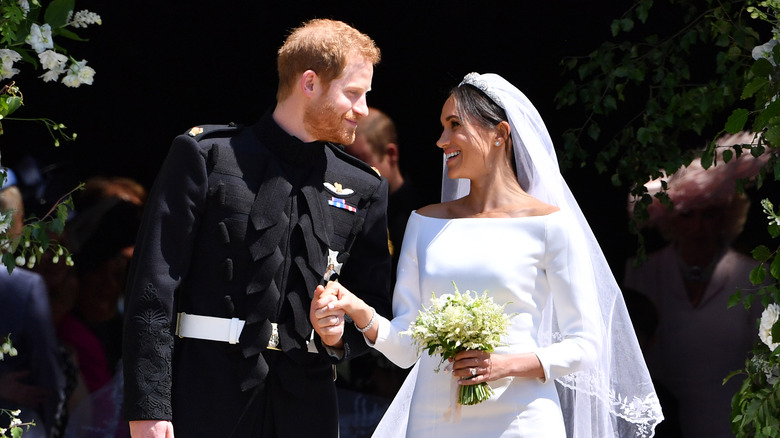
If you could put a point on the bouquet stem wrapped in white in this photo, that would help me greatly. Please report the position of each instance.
(458, 322)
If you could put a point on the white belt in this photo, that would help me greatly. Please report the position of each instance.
(224, 330)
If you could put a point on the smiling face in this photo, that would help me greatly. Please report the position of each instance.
(466, 146)
(334, 110)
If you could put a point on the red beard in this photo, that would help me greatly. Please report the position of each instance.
(324, 123)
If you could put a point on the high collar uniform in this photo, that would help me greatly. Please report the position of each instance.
(240, 224)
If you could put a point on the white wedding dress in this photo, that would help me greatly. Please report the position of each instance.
(521, 262)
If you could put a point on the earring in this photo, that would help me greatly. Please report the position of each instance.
(497, 143)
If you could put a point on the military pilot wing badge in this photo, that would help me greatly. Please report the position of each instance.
(337, 189)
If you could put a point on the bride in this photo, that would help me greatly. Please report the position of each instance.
(570, 364)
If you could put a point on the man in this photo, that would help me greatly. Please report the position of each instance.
(33, 381)
(376, 143)
(241, 226)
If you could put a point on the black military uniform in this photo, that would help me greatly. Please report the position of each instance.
(240, 225)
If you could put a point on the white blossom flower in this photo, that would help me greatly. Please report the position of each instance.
(768, 319)
(51, 60)
(765, 51)
(85, 18)
(8, 57)
(54, 63)
(79, 73)
(25, 5)
(40, 37)
(5, 222)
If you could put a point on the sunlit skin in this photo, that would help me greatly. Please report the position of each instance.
(495, 192)
(334, 110)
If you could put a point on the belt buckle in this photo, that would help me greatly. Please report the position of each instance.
(178, 324)
(273, 341)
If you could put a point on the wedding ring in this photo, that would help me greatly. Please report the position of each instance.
(473, 372)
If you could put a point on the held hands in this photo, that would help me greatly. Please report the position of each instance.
(328, 307)
(326, 319)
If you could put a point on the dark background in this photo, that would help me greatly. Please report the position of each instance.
(163, 67)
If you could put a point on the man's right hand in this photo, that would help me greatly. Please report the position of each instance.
(151, 429)
(327, 321)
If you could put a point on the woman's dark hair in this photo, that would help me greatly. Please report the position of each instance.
(476, 107)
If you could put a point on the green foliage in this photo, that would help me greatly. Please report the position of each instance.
(41, 21)
(15, 426)
(756, 406)
(37, 238)
(654, 87)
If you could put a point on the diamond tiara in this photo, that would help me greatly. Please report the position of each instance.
(474, 80)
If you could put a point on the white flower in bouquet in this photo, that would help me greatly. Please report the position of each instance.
(768, 319)
(458, 322)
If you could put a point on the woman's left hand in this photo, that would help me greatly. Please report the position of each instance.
(476, 366)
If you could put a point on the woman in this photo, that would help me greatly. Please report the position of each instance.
(518, 234)
(690, 282)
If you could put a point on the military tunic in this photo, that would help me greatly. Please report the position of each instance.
(240, 224)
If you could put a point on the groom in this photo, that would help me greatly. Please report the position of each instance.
(241, 225)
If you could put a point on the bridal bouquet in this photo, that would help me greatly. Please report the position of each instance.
(458, 322)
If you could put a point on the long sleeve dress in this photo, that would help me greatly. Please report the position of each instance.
(523, 263)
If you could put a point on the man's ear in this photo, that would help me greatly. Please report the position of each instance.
(310, 83)
(391, 151)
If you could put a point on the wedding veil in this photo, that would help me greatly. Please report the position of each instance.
(616, 397)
